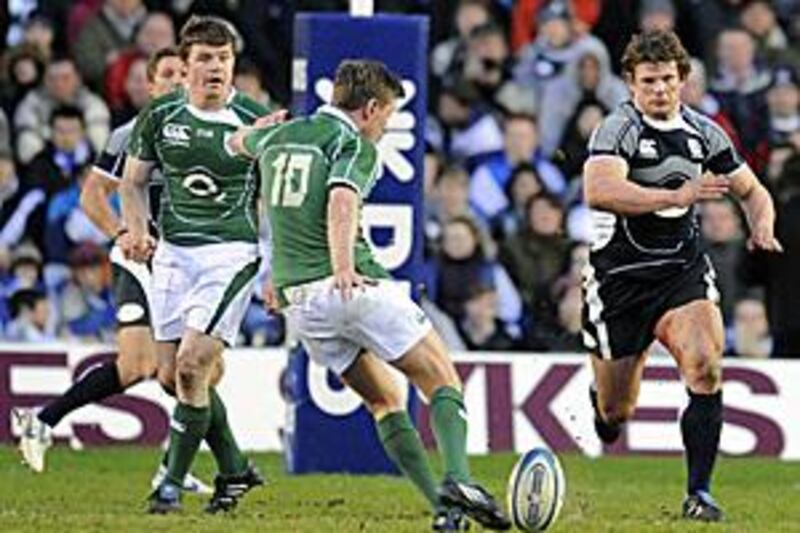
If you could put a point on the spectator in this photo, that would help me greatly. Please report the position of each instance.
(22, 207)
(136, 93)
(57, 166)
(463, 129)
(783, 291)
(535, 256)
(564, 335)
(704, 21)
(26, 269)
(86, 307)
(105, 34)
(695, 94)
(588, 82)
(523, 185)
(23, 72)
(248, 79)
(722, 232)
(448, 56)
(30, 310)
(520, 145)
(39, 34)
(68, 224)
(749, 336)
(783, 99)
(759, 19)
(156, 33)
(657, 15)
(524, 19)
(487, 62)
(62, 86)
(450, 199)
(461, 263)
(556, 47)
(741, 87)
(480, 328)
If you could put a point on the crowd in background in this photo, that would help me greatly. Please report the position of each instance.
(515, 91)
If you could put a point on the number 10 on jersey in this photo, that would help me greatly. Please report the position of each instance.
(290, 179)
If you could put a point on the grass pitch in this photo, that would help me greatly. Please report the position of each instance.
(105, 490)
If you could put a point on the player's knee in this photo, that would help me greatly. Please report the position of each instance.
(166, 378)
(387, 403)
(617, 412)
(189, 372)
(704, 375)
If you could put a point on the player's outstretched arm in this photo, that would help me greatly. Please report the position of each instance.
(606, 186)
(758, 208)
(133, 193)
(236, 142)
(95, 193)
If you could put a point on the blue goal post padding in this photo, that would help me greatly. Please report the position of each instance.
(326, 431)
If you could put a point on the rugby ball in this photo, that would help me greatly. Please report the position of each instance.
(536, 490)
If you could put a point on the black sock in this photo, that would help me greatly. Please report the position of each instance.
(701, 425)
(97, 384)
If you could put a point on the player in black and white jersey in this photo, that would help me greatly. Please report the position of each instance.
(131, 281)
(650, 162)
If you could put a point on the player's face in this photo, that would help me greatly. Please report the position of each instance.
(168, 76)
(656, 89)
(376, 116)
(209, 73)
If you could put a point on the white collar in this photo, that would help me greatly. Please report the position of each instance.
(225, 114)
(339, 114)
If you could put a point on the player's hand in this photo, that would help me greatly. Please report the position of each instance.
(137, 248)
(269, 296)
(763, 238)
(348, 281)
(707, 187)
(273, 118)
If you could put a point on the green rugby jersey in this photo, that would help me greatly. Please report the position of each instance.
(299, 162)
(209, 193)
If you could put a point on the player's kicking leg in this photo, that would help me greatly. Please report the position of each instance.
(371, 379)
(694, 335)
(429, 368)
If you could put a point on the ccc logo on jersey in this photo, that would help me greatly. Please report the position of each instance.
(177, 133)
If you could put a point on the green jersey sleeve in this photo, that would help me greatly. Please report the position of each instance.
(356, 165)
(143, 137)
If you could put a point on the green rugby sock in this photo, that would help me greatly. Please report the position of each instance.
(188, 426)
(403, 445)
(220, 439)
(449, 423)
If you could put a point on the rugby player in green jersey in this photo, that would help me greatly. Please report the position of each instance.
(136, 357)
(206, 259)
(349, 315)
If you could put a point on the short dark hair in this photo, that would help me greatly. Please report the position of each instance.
(210, 31)
(156, 57)
(358, 81)
(24, 299)
(656, 46)
(69, 112)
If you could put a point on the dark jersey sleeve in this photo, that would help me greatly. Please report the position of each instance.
(111, 160)
(722, 157)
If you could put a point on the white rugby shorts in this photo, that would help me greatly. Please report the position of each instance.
(381, 318)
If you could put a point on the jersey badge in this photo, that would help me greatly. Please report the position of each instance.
(695, 148)
(177, 133)
(647, 148)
